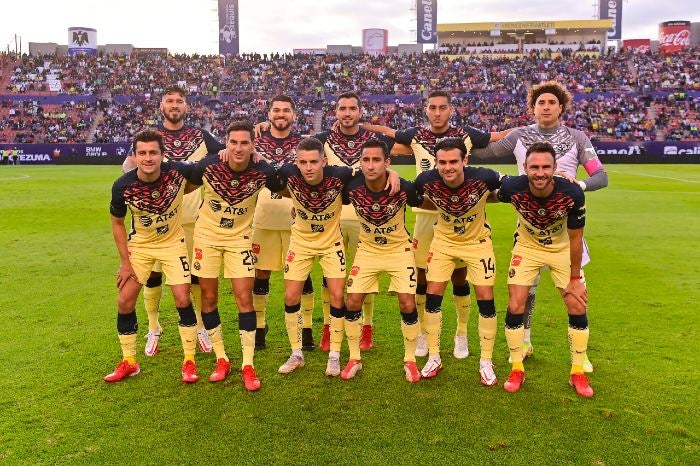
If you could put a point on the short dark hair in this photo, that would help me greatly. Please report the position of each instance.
(148, 135)
(283, 98)
(441, 94)
(541, 147)
(451, 143)
(311, 144)
(241, 126)
(174, 89)
(349, 95)
(548, 87)
(376, 143)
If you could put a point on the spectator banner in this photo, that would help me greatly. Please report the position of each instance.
(69, 154)
(427, 21)
(674, 36)
(228, 27)
(82, 40)
(637, 45)
(375, 41)
(612, 9)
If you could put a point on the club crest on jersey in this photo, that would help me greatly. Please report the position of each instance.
(235, 183)
(314, 194)
(155, 194)
(375, 207)
(279, 151)
(542, 212)
(351, 144)
(473, 199)
(390, 208)
(332, 193)
(177, 143)
(454, 199)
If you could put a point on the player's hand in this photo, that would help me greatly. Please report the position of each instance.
(124, 274)
(255, 157)
(260, 127)
(577, 290)
(336, 126)
(393, 182)
(224, 155)
(567, 176)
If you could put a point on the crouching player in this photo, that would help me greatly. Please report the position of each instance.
(384, 246)
(551, 213)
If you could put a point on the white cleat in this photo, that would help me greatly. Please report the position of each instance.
(488, 376)
(461, 347)
(152, 342)
(421, 345)
(293, 363)
(333, 367)
(431, 368)
(203, 341)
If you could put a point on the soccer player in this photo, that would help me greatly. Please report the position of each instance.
(223, 234)
(382, 235)
(272, 220)
(182, 143)
(462, 239)
(316, 192)
(154, 193)
(422, 140)
(547, 102)
(551, 213)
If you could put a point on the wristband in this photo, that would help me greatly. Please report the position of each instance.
(575, 277)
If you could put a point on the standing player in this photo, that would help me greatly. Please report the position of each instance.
(273, 221)
(153, 192)
(462, 239)
(383, 235)
(182, 143)
(422, 140)
(551, 213)
(547, 102)
(223, 234)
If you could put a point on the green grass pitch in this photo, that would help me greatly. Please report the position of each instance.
(58, 308)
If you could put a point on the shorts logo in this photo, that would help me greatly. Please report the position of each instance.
(516, 261)
(197, 253)
(145, 220)
(511, 273)
(256, 248)
(215, 205)
(354, 270)
(349, 282)
(415, 244)
(155, 194)
(286, 268)
(430, 257)
(290, 256)
(196, 265)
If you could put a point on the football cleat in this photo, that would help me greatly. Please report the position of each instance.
(461, 350)
(366, 342)
(222, 370)
(580, 383)
(333, 367)
(421, 345)
(515, 381)
(325, 343)
(431, 368)
(122, 371)
(527, 351)
(411, 370)
(293, 363)
(251, 382)
(152, 341)
(486, 373)
(260, 334)
(587, 365)
(307, 339)
(203, 341)
(189, 372)
(351, 369)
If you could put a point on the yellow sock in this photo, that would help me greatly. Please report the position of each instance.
(188, 336)
(128, 344)
(337, 327)
(353, 331)
(217, 341)
(432, 330)
(515, 338)
(196, 292)
(307, 309)
(368, 309)
(151, 301)
(420, 307)
(410, 339)
(292, 320)
(487, 335)
(247, 346)
(131, 360)
(578, 344)
(260, 306)
(462, 306)
(326, 298)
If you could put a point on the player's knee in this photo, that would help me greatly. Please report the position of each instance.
(336, 297)
(407, 303)
(308, 286)
(261, 286)
(354, 301)
(263, 274)
(126, 302)
(154, 280)
(516, 306)
(574, 306)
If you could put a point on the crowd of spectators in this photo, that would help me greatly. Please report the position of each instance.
(30, 122)
(678, 117)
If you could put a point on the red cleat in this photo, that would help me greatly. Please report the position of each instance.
(515, 381)
(325, 343)
(351, 369)
(250, 380)
(189, 372)
(412, 372)
(580, 383)
(122, 371)
(366, 340)
(223, 368)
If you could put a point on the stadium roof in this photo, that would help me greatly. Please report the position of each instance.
(593, 24)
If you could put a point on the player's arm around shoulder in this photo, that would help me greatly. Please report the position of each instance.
(413, 199)
(500, 147)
